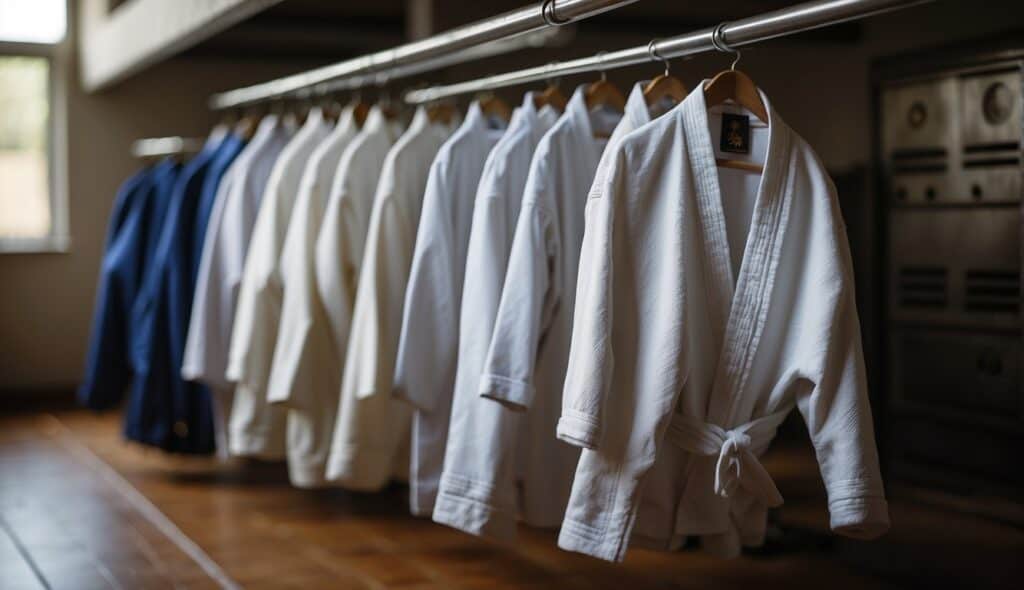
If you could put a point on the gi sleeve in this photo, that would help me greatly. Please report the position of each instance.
(836, 409)
(377, 316)
(589, 372)
(259, 303)
(108, 364)
(336, 269)
(204, 344)
(291, 363)
(428, 343)
(528, 299)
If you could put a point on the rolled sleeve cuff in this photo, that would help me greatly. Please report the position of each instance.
(865, 517)
(515, 393)
(578, 429)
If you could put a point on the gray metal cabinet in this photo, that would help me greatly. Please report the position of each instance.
(949, 143)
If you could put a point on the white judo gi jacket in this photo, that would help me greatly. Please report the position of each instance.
(304, 375)
(530, 340)
(339, 245)
(711, 301)
(468, 498)
(371, 424)
(428, 345)
(256, 428)
(223, 257)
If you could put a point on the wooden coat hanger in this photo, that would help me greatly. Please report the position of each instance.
(603, 93)
(665, 85)
(734, 85)
(360, 109)
(384, 103)
(246, 126)
(493, 106)
(441, 112)
(330, 108)
(301, 108)
(552, 97)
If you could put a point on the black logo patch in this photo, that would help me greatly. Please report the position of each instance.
(735, 134)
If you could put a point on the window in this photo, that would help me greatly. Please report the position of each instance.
(32, 201)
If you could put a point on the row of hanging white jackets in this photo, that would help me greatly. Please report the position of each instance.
(709, 303)
(448, 306)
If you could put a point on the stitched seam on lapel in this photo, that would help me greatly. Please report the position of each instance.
(741, 340)
(711, 223)
(768, 254)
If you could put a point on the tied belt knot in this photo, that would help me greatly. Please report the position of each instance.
(738, 466)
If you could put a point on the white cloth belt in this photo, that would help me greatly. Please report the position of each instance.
(737, 450)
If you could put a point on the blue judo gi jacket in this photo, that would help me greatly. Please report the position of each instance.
(130, 244)
(164, 410)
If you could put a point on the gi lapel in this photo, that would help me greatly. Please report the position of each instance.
(737, 316)
(708, 204)
(739, 310)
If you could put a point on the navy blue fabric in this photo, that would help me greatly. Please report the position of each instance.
(108, 369)
(164, 410)
(225, 156)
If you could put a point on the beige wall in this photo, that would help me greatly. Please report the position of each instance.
(46, 299)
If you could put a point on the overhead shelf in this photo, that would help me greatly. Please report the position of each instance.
(116, 44)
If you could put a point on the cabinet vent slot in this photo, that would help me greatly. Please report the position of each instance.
(992, 162)
(992, 291)
(922, 286)
(981, 148)
(918, 168)
(913, 154)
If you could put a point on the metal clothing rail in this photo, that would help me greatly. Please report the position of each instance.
(547, 37)
(447, 48)
(778, 23)
(165, 146)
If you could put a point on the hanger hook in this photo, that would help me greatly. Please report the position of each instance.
(553, 81)
(652, 52)
(600, 64)
(383, 90)
(357, 85)
(547, 12)
(718, 40)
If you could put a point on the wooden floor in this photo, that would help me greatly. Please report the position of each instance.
(80, 509)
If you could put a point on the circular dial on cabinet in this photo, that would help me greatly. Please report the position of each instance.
(917, 115)
(997, 103)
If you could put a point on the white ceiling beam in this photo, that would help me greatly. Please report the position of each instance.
(141, 33)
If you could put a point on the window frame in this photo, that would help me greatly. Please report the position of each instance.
(59, 238)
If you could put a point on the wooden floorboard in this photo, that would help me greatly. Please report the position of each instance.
(82, 509)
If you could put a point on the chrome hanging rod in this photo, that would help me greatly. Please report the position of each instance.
(547, 37)
(778, 23)
(156, 147)
(455, 46)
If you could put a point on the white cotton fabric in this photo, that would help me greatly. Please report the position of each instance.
(468, 498)
(371, 424)
(712, 302)
(304, 375)
(256, 428)
(224, 248)
(530, 338)
(428, 345)
(339, 247)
